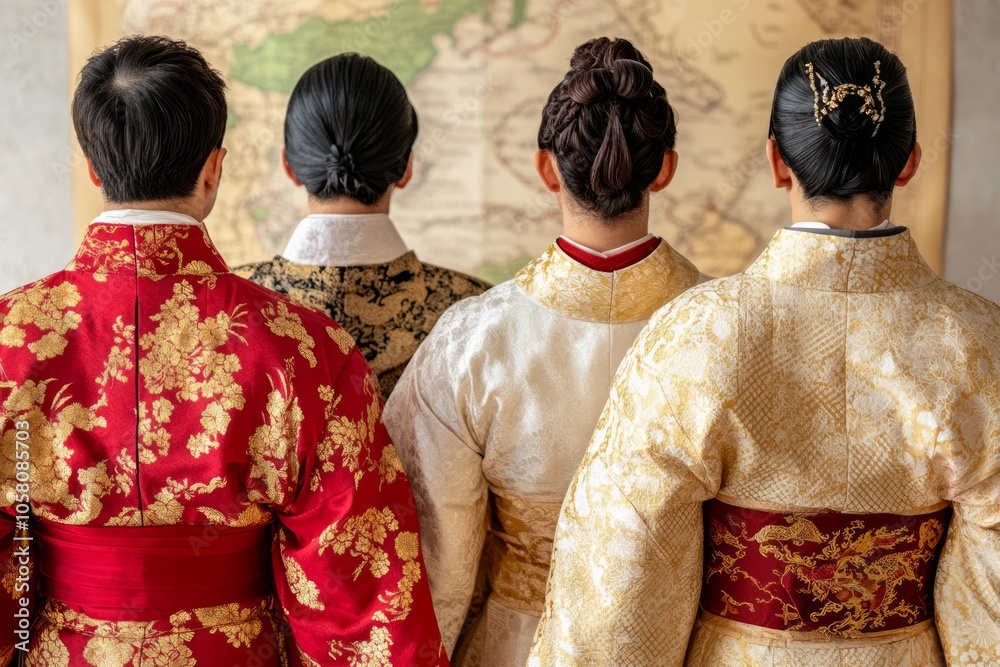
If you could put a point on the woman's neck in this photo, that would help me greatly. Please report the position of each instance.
(859, 213)
(346, 206)
(601, 235)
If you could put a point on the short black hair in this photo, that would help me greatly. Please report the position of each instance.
(350, 129)
(148, 112)
(856, 143)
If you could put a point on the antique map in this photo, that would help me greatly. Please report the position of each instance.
(478, 72)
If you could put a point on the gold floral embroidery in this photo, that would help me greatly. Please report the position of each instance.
(50, 428)
(350, 437)
(630, 295)
(47, 309)
(376, 652)
(181, 362)
(274, 446)
(399, 602)
(283, 322)
(343, 339)
(240, 625)
(108, 652)
(362, 537)
(49, 651)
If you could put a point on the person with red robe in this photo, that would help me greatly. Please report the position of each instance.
(194, 468)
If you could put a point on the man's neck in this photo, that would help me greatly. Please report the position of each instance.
(185, 207)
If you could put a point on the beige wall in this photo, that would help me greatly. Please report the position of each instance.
(972, 254)
(36, 233)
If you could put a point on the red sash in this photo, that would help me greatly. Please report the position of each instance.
(145, 571)
(841, 575)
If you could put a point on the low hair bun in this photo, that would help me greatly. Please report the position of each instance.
(848, 123)
(350, 129)
(843, 119)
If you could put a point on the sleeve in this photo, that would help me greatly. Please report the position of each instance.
(967, 587)
(627, 560)
(427, 419)
(348, 564)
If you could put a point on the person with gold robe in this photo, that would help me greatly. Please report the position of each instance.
(349, 135)
(493, 414)
(193, 469)
(799, 464)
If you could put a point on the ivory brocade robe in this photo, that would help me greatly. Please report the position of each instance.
(491, 419)
(388, 305)
(835, 385)
(162, 395)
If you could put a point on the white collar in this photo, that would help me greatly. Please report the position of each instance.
(131, 216)
(345, 240)
(608, 253)
(886, 224)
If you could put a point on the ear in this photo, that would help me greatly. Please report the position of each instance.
(779, 170)
(912, 163)
(212, 173)
(94, 178)
(667, 171)
(407, 175)
(288, 169)
(545, 165)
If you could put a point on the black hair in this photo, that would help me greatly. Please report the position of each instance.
(148, 112)
(350, 129)
(608, 123)
(843, 119)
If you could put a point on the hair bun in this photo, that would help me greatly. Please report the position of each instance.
(848, 122)
(633, 80)
(341, 171)
(591, 86)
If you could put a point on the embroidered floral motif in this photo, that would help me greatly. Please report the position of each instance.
(376, 652)
(43, 315)
(363, 537)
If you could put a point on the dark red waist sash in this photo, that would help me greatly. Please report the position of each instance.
(149, 570)
(836, 574)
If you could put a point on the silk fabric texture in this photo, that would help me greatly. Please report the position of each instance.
(835, 373)
(161, 390)
(491, 419)
(387, 305)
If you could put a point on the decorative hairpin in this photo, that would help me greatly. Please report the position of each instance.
(873, 107)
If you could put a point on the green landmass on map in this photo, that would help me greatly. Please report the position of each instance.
(495, 274)
(520, 13)
(402, 40)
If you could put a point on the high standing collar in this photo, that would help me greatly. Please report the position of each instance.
(836, 262)
(632, 294)
(345, 240)
(148, 250)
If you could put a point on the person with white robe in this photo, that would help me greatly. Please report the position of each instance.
(493, 414)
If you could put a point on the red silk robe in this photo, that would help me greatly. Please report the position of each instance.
(210, 428)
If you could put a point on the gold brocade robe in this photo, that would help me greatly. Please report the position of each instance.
(491, 419)
(837, 373)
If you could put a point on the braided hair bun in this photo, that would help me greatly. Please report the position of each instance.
(608, 123)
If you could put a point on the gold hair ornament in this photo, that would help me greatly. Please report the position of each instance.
(826, 99)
